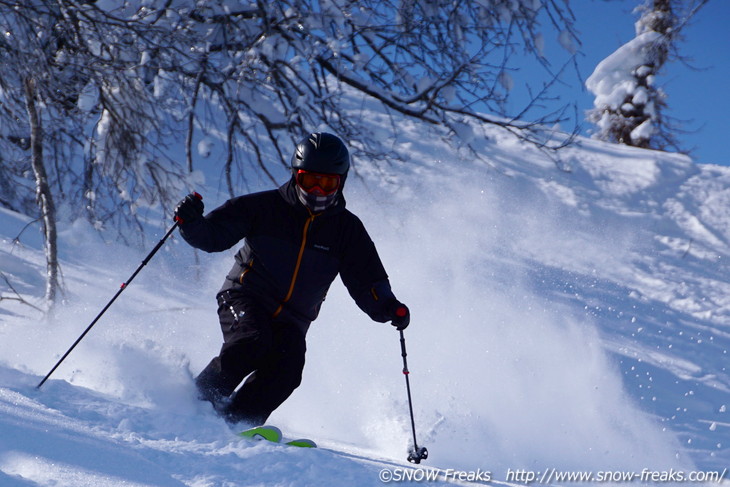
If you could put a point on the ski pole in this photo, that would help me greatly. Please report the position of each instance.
(121, 289)
(417, 454)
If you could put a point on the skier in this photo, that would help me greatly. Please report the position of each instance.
(296, 240)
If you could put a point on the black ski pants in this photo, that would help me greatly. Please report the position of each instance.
(267, 353)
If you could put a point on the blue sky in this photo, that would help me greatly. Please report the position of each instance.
(700, 98)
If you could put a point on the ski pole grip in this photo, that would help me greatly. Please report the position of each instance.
(198, 196)
(401, 311)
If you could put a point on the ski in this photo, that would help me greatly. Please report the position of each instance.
(273, 434)
(302, 443)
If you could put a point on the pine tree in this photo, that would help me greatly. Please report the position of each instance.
(630, 105)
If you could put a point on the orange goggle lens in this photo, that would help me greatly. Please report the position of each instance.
(309, 181)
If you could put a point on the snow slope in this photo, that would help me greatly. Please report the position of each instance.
(569, 314)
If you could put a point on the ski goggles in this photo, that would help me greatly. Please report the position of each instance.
(314, 182)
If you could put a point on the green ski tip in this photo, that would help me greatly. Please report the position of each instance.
(304, 443)
(268, 433)
(273, 434)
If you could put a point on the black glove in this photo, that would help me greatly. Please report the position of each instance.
(400, 316)
(189, 209)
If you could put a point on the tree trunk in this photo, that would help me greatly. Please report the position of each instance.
(44, 198)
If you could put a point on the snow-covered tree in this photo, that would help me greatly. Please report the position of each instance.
(283, 68)
(263, 73)
(120, 86)
(630, 104)
(74, 121)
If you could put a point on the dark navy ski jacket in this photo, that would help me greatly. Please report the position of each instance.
(290, 256)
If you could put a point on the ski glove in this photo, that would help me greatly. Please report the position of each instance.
(189, 209)
(400, 315)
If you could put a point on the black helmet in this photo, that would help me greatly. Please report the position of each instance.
(321, 152)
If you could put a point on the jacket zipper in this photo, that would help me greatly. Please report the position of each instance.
(298, 264)
(245, 271)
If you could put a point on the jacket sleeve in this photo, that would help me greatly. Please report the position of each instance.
(364, 276)
(220, 229)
